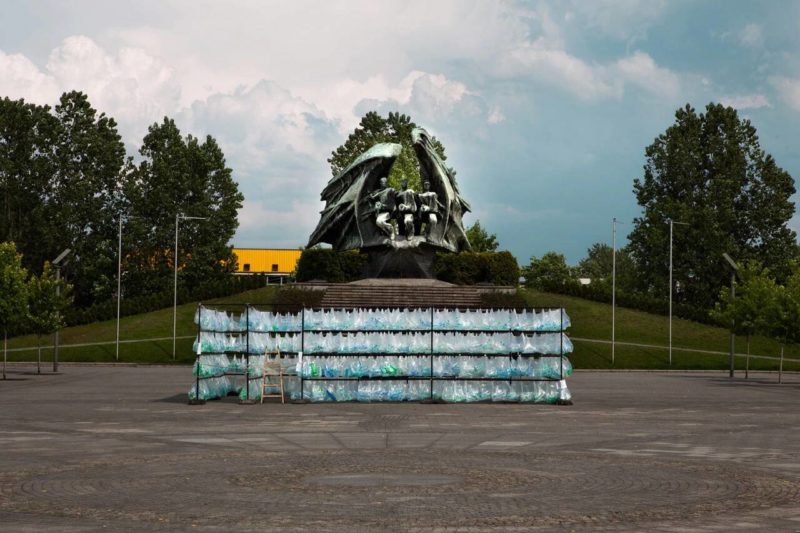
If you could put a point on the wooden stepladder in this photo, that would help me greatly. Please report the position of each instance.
(272, 376)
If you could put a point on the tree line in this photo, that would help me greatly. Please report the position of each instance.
(708, 173)
(66, 182)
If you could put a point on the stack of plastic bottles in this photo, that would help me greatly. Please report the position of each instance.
(388, 354)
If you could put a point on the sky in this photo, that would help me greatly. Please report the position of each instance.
(544, 108)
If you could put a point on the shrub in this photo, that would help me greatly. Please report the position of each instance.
(469, 268)
(330, 265)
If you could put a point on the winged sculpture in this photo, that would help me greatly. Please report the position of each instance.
(362, 212)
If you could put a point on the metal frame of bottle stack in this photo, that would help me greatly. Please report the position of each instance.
(431, 353)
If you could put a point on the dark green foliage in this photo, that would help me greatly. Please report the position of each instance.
(503, 300)
(643, 302)
(550, 270)
(214, 288)
(598, 266)
(375, 129)
(323, 264)
(469, 268)
(708, 170)
(190, 177)
(59, 175)
(480, 240)
(292, 298)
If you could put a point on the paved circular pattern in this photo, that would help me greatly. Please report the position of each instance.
(408, 488)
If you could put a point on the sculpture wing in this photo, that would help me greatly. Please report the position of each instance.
(340, 224)
(449, 233)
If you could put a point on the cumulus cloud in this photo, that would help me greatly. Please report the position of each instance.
(131, 85)
(747, 101)
(641, 70)
(751, 36)
(788, 90)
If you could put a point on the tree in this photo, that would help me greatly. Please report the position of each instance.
(89, 160)
(13, 293)
(598, 266)
(47, 301)
(27, 164)
(480, 240)
(178, 175)
(785, 316)
(59, 176)
(709, 171)
(754, 305)
(551, 269)
(374, 129)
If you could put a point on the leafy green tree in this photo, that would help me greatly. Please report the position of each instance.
(89, 159)
(480, 240)
(785, 316)
(755, 303)
(709, 171)
(13, 293)
(550, 269)
(598, 266)
(47, 301)
(187, 176)
(59, 175)
(27, 164)
(373, 129)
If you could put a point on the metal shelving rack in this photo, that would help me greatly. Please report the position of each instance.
(430, 353)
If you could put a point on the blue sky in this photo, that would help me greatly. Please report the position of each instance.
(545, 108)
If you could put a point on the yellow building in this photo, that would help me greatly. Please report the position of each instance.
(272, 262)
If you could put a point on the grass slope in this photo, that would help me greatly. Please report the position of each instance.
(591, 320)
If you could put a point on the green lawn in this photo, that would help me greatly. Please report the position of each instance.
(591, 320)
(156, 324)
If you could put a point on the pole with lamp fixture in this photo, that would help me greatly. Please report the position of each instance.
(178, 218)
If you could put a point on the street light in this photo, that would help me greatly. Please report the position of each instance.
(671, 222)
(614, 223)
(57, 262)
(734, 269)
(119, 278)
(178, 217)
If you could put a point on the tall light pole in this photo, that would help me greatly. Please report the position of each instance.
(614, 223)
(119, 279)
(734, 269)
(57, 262)
(178, 217)
(671, 222)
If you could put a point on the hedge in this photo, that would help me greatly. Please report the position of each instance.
(152, 302)
(324, 264)
(469, 268)
(643, 302)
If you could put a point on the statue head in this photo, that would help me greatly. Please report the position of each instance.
(404, 184)
(426, 186)
(383, 182)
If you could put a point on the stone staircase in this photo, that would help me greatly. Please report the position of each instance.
(402, 293)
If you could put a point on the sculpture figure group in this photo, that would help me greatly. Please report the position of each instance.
(409, 210)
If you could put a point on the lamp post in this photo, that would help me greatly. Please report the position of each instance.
(671, 223)
(57, 262)
(734, 269)
(614, 223)
(178, 218)
(119, 280)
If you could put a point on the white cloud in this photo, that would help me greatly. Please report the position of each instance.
(641, 70)
(20, 78)
(751, 36)
(131, 85)
(788, 89)
(747, 101)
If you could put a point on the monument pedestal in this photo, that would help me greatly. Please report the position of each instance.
(402, 258)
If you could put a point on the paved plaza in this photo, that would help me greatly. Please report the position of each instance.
(101, 448)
